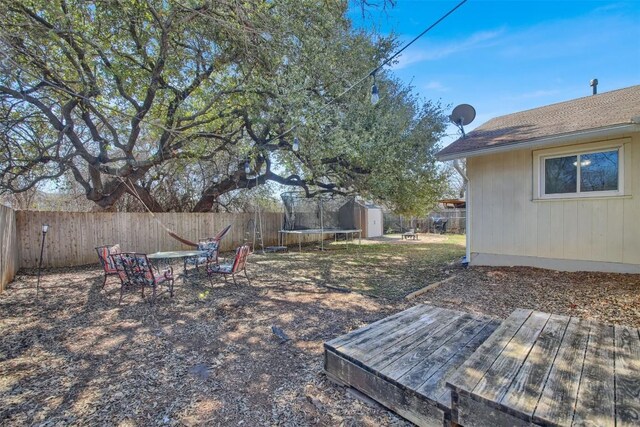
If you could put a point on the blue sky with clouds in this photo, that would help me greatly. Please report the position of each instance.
(508, 56)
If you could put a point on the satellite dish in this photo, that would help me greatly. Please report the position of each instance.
(462, 115)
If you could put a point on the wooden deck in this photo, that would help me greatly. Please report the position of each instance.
(554, 370)
(403, 361)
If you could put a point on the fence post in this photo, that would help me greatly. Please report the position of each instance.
(9, 260)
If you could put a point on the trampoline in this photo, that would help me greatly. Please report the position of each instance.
(320, 216)
(321, 232)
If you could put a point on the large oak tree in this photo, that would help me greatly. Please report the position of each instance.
(156, 98)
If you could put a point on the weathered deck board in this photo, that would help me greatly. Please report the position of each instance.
(596, 396)
(561, 389)
(471, 413)
(380, 360)
(456, 337)
(552, 371)
(392, 336)
(436, 383)
(378, 339)
(524, 392)
(374, 359)
(424, 349)
(499, 376)
(403, 402)
(475, 367)
(359, 333)
(627, 365)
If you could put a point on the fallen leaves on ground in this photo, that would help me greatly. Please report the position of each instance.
(209, 355)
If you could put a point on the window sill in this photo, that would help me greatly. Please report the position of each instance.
(583, 198)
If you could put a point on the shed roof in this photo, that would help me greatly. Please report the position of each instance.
(596, 112)
(458, 203)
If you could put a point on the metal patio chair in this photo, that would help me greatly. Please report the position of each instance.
(210, 255)
(239, 264)
(139, 272)
(104, 255)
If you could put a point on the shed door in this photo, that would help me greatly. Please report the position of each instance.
(374, 222)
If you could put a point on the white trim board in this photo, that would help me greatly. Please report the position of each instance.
(497, 260)
(614, 131)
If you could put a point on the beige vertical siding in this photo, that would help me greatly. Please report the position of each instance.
(73, 236)
(9, 263)
(506, 220)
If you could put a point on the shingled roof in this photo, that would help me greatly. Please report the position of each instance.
(602, 111)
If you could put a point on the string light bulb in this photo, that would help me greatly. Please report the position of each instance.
(296, 144)
(247, 167)
(375, 94)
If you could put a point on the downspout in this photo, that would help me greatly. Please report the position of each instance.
(465, 181)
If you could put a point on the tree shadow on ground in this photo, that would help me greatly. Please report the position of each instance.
(208, 354)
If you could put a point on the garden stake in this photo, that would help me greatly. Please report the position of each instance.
(45, 228)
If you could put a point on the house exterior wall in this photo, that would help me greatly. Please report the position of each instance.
(511, 226)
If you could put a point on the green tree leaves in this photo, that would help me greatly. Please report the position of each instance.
(166, 100)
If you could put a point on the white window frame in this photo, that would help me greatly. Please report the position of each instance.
(543, 155)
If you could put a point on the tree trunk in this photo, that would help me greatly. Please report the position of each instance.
(205, 204)
(144, 197)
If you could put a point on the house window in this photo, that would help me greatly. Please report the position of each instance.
(599, 171)
(560, 175)
(594, 173)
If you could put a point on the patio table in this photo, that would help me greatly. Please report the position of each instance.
(169, 255)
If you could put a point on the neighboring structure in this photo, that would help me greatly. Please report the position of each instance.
(557, 186)
(453, 211)
(452, 203)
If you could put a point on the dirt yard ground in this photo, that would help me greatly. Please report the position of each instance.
(209, 356)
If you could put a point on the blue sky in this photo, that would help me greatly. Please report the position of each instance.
(508, 56)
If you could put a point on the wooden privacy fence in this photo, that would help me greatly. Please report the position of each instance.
(456, 220)
(73, 236)
(9, 263)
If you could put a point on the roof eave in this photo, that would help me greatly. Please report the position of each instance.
(579, 136)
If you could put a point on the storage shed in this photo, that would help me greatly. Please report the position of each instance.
(369, 218)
